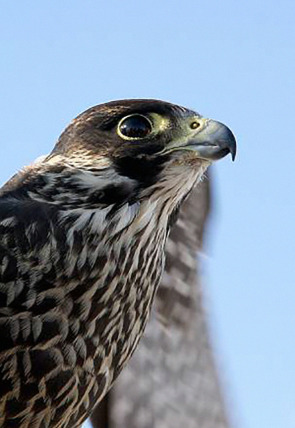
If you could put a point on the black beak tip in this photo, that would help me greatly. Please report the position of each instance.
(230, 143)
(233, 151)
(227, 146)
(226, 141)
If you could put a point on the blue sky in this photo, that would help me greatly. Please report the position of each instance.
(230, 60)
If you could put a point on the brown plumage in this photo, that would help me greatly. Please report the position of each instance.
(82, 243)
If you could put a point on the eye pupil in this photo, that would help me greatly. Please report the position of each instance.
(135, 126)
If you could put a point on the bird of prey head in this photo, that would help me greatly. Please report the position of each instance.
(82, 250)
(117, 150)
(142, 142)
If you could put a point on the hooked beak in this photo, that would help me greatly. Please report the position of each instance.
(213, 142)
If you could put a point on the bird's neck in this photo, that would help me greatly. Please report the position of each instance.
(118, 255)
(126, 234)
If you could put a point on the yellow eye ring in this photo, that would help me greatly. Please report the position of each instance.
(195, 125)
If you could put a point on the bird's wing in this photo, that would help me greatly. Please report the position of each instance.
(23, 232)
(24, 229)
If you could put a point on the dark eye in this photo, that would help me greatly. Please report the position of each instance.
(135, 126)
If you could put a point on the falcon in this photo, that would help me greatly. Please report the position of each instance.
(82, 238)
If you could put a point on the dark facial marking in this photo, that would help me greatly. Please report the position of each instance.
(145, 170)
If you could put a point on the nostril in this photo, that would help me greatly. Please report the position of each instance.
(194, 125)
